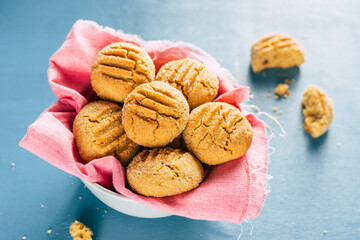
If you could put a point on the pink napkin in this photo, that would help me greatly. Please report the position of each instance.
(230, 192)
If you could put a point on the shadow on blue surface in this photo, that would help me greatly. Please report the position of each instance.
(315, 144)
(270, 77)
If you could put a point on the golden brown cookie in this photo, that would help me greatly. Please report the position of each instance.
(276, 51)
(118, 69)
(162, 172)
(98, 132)
(80, 232)
(217, 132)
(198, 83)
(317, 110)
(154, 114)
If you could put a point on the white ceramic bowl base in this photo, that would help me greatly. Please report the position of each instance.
(123, 204)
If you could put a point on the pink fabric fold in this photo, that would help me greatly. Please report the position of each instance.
(230, 192)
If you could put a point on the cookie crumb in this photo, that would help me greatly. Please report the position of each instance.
(13, 164)
(274, 109)
(276, 97)
(280, 112)
(289, 82)
(268, 95)
(257, 109)
(97, 208)
(80, 232)
(325, 232)
(105, 211)
(282, 89)
(287, 94)
(49, 231)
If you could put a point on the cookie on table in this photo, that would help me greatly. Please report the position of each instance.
(197, 82)
(276, 51)
(80, 232)
(217, 132)
(318, 111)
(98, 132)
(154, 114)
(162, 172)
(118, 69)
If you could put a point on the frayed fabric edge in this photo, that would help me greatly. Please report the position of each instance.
(255, 110)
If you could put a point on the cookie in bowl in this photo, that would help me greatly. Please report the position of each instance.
(163, 172)
(217, 132)
(197, 82)
(98, 132)
(154, 114)
(118, 69)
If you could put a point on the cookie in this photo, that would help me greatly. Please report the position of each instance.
(80, 232)
(154, 114)
(162, 172)
(197, 82)
(118, 69)
(276, 51)
(217, 132)
(317, 110)
(98, 132)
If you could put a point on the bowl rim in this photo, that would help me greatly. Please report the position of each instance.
(107, 191)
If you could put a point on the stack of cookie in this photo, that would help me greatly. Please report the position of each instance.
(145, 121)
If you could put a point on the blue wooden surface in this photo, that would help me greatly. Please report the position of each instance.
(316, 183)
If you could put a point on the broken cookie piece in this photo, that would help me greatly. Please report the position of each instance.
(276, 51)
(80, 232)
(317, 110)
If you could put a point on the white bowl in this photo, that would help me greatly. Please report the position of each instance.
(123, 204)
